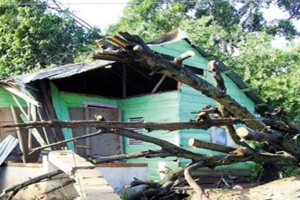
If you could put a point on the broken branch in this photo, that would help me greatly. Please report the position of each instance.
(148, 58)
(65, 141)
(15, 189)
(211, 146)
(249, 134)
(200, 194)
(178, 61)
(107, 124)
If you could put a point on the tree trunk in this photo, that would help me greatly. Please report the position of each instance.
(134, 50)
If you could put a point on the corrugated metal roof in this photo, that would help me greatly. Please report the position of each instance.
(6, 147)
(62, 71)
(77, 68)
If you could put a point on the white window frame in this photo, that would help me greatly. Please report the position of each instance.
(219, 136)
(131, 141)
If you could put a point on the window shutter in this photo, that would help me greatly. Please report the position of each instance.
(138, 130)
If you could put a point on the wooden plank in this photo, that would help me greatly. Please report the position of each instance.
(21, 142)
(34, 132)
(58, 135)
(62, 113)
(158, 84)
(42, 112)
(20, 94)
(87, 130)
(78, 146)
(124, 87)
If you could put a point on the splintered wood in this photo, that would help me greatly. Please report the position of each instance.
(89, 182)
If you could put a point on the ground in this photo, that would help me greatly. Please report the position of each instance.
(282, 189)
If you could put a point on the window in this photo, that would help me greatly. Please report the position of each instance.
(138, 130)
(219, 136)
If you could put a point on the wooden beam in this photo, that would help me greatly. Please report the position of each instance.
(48, 103)
(19, 135)
(159, 83)
(124, 87)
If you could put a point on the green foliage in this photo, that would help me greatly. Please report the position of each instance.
(33, 38)
(149, 19)
(127, 194)
(290, 171)
(255, 170)
(237, 35)
(272, 72)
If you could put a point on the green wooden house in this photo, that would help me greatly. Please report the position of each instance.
(119, 92)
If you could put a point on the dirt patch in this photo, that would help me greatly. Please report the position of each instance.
(282, 189)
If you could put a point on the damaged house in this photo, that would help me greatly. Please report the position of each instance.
(118, 92)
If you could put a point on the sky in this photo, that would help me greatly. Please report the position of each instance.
(98, 13)
(102, 13)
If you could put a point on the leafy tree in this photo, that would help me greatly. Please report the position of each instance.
(34, 37)
(149, 18)
(141, 15)
(235, 32)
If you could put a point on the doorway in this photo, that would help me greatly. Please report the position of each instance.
(100, 145)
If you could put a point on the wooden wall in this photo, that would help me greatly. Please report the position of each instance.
(6, 117)
(162, 107)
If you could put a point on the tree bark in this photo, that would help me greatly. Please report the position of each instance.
(15, 189)
(110, 124)
(136, 51)
(200, 194)
(211, 146)
(249, 134)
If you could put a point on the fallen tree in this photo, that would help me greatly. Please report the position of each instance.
(281, 134)
(132, 49)
(16, 188)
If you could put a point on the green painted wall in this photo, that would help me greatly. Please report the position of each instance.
(6, 99)
(76, 100)
(167, 107)
(192, 100)
(177, 48)
(163, 107)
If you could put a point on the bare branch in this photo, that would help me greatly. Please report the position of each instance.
(200, 194)
(65, 141)
(138, 182)
(248, 134)
(208, 145)
(178, 61)
(15, 189)
(148, 58)
(107, 124)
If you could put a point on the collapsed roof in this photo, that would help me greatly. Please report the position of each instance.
(118, 80)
